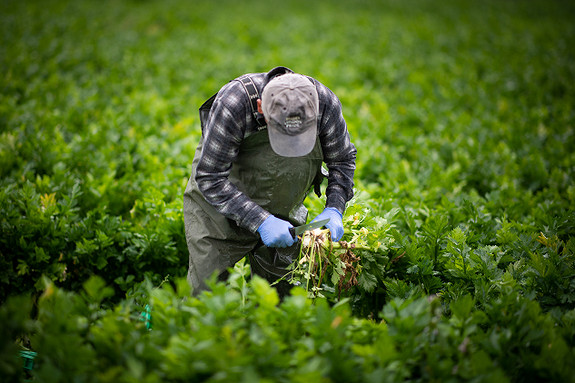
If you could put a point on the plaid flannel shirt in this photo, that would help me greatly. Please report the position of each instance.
(231, 120)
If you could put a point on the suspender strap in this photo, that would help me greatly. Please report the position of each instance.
(253, 95)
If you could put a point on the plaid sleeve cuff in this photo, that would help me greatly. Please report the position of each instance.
(337, 201)
(254, 218)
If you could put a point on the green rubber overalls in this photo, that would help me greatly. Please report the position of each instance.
(278, 184)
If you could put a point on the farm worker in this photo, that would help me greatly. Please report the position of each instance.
(257, 159)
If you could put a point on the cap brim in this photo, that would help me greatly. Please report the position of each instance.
(294, 145)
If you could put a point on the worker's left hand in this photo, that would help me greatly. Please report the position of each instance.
(335, 224)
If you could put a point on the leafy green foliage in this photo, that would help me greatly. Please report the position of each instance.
(218, 336)
(464, 212)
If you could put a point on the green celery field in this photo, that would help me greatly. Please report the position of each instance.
(458, 261)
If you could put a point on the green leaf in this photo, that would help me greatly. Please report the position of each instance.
(462, 307)
(367, 281)
(265, 295)
(96, 289)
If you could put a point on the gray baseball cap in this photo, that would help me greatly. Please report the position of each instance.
(291, 104)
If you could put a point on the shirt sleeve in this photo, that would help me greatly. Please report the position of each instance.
(338, 151)
(222, 136)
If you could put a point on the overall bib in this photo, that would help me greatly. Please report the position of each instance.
(278, 184)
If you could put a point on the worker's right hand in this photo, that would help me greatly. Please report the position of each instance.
(275, 232)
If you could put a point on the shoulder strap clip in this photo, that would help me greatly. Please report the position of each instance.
(253, 96)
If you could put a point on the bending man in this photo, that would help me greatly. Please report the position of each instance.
(257, 160)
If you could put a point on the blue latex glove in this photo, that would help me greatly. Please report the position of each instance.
(275, 232)
(335, 224)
